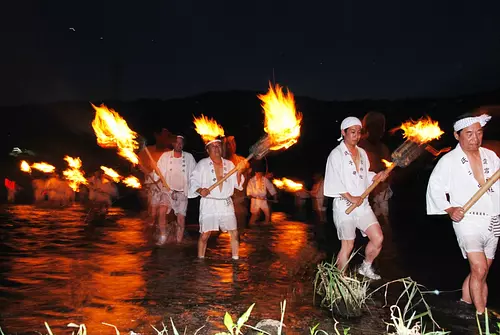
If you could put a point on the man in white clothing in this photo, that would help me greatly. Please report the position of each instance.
(216, 206)
(158, 198)
(176, 166)
(257, 189)
(454, 180)
(347, 176)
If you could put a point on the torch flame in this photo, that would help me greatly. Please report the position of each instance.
(25, 167)
(132, 181)
(282, 121)
(44, 167)
(287, 184)
(73, 174)
(387, 163)
(112, 131)
(111, 173)
(209, 129)
(421, 131)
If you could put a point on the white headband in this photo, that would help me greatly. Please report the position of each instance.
(469, 121)
(349, 122)
(180, 136)
(212, 141)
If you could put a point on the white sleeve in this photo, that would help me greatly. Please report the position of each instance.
(191, 163)
(162, 164)
(195, 180)
(334, 185)
(438, 187)
(250, 191)
(270, 187)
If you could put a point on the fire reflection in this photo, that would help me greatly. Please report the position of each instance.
(61, 279)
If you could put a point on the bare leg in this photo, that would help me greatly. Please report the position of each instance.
(477, 279)
(253, 218)
(181, 222)
(344, 253)
(466, 290)
(267, 215)
(235, 244)
(374, 246)
(202, 244)
(162, 219)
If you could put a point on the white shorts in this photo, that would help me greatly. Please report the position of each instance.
(159, 198)
(216, 222)
(474, 235)
(179, 203)
(361, 218)
(258, 204)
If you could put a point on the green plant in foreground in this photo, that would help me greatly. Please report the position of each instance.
(487, 324)
(402, 321)
(344, 293)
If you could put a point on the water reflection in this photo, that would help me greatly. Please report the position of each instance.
(60, 270)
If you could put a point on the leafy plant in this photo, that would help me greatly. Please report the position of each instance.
(345, 294)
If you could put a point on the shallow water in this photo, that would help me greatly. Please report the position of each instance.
(56, 268)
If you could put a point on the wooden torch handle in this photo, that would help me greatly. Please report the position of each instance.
(368, 190)
(229, 174)
(482, 190)
(155, 167)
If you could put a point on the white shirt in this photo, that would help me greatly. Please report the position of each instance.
(453, 175)
(341, 175)
(177, 171)
(259, 188)
(203, 176)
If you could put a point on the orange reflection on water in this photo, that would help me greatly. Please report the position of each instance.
(67, 274)
(290, 238)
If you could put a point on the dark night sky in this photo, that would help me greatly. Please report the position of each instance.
(332, 50)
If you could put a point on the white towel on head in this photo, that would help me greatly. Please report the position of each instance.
(349, 122)
(469, 121)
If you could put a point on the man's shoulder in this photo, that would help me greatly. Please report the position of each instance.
(489, 152)
(337, 151)
(188, 154)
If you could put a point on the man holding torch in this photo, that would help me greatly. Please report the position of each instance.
(347, 176)
(216, 206)
(455, 179)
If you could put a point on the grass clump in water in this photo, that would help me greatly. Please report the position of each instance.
(344, 293)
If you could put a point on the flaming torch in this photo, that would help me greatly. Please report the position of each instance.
(132, 182)
(112, 131)
(42, 166)
(281, 123)
(287, 185)
(25, 167)
(417, 134)
(73, 174)
(111, 174)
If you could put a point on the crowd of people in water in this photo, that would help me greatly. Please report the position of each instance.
(171, 176)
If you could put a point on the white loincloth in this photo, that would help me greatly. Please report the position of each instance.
(221, 216)
(346, 224)
(179, 203)
(474, 235)
(258, 204)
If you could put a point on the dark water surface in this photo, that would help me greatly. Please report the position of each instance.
(57, 269)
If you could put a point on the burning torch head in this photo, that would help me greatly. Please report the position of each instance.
(261, 147)
(406, 153)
